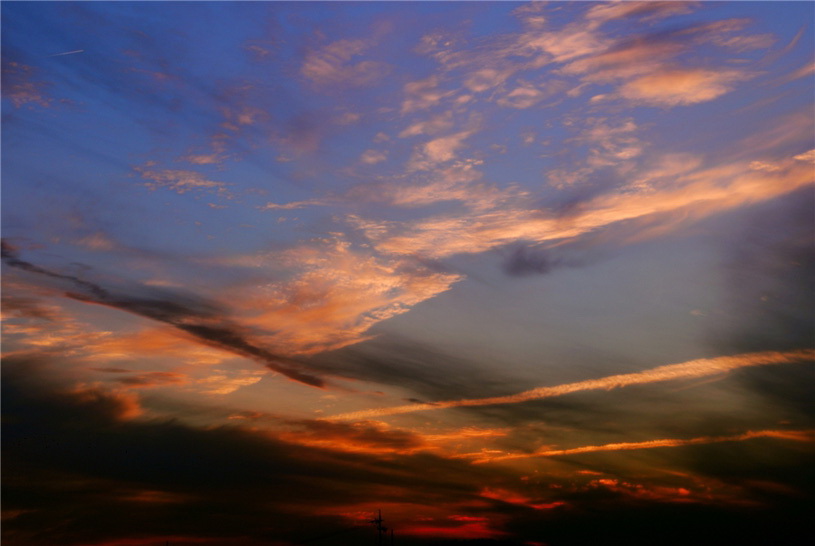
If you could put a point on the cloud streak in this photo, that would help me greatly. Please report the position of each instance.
(793, 435)
(686, 370)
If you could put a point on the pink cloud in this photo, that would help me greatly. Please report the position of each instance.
(372, 157)
(423, 94)
(649, 11)
(331, 65)
(675, 87)
(181, 181)
(20, 87)
(436, 124)
(438, 150)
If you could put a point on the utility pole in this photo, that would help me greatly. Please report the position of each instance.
(380, 529)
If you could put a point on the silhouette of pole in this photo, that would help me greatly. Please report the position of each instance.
(379, 528)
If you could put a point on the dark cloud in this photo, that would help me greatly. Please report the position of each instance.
(205, 321)
(769, 265)
(770, 268)
(523, 260)
(152, 379)
(398, 360)
(77, 457)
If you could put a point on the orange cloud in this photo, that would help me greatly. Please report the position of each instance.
(123, 406)
(685, 370)
(152, 379)
(511, 497)
(336, 295)
(697, 194)
(223, 382)
(155, 342)
(674, 87)
(365, 437)
(794, 435)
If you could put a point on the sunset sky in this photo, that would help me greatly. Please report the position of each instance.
(532, 273)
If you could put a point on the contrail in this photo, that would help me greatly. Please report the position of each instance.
(795, 435)
(68, 53)
(694, 368)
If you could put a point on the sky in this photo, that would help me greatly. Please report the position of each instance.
(536, 274)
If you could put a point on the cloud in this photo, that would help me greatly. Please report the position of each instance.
(436, 124)
(26, 307)
(484, 79)
(645, 67)
(152, 379)
(293, 205)
(612, 141)
(337, 292)
(573, 41)
(793, 435)
(331, 65)
(223, 382)
(365, 437)
(685, 370)
(439, 150)
(523, 261)
(204, 321)
(213, 484)
(423, 94)
(459, 181)
(806, 156)
(803, 72)
(20, 87)
(697, 194)
(648, 11)
(154, 343)
(372, 157)
(676, 87)
(181, 181)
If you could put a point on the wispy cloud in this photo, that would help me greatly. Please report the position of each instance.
(647, 11)
(21, 87)
(293, 205)
(333, 65)
(224, 382)
(337, 293)
(793, 435)
(181, 181)
(685, 370)
(700, 193)
(422, 94)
